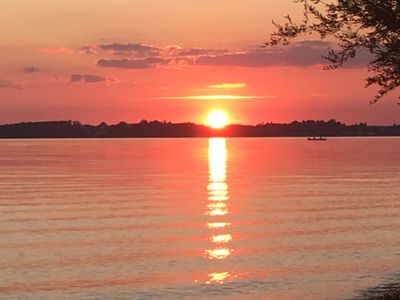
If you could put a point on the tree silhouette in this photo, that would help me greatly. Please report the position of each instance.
(357, 25)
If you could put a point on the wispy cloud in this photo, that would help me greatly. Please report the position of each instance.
(121, 48)
(143, 56)
(228, 86)
(300, 54)
(214, 97)
(30, 70)
(127, 63)
(89, 78)
(201, 51)
(88, 49)
(4, 83)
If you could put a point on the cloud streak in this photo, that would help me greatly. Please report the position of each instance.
(30, 70)
(89, 78)
(88, 49)
(301, 54)
(120, 48)
(142, 56)
(214, 97)
(298, 55)
(200, 51)
(126, 63)
(228, 86)
(10, 84)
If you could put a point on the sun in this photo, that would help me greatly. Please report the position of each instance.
(217, 119)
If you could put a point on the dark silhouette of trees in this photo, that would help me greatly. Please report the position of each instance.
(69, 129)
(357, 25)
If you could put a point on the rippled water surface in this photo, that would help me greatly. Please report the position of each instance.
(198, 218)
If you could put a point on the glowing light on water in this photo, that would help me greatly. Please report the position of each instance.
(218, 212)
(222, 238)
(218, 277)
(218, 206)
(218, 225)
(219, 253)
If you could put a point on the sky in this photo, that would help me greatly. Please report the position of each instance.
(174, 60)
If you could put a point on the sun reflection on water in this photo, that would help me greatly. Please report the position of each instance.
(219, 253)
(218, 208)
(218, 212)
(217, 225)
(220, 277)
(217, 162)
(222, 238)
(217, 205)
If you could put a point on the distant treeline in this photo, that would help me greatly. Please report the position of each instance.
(73, 129)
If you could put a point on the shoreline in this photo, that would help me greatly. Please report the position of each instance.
(156, 129)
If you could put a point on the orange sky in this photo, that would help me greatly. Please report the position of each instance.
(128, 60)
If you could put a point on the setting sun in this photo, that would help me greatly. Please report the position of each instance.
(217, 119)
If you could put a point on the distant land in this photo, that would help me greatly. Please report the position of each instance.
(74, 129)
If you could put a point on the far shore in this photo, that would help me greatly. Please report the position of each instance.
(157, 129)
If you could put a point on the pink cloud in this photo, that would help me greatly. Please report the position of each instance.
(90, 78)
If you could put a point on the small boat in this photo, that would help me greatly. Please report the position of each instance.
(314, 138)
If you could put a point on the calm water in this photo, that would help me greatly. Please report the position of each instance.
(198, 218)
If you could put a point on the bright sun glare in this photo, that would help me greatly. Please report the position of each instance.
(217, 119)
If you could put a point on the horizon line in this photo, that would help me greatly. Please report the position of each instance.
(200, 124)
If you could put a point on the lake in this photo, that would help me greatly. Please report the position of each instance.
(262, 218)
